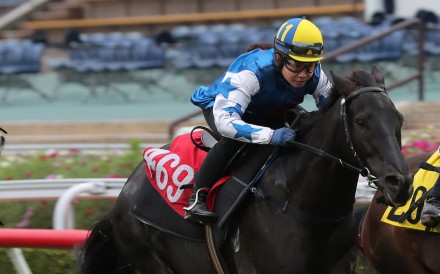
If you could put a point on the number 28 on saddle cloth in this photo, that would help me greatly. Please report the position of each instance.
(408, 216)
(170, 169)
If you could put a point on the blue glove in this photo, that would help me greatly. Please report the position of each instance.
(281, 136)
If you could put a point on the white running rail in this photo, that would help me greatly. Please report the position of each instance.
(37, 189)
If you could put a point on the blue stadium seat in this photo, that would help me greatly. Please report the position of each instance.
(204, 55)
(32, 56)
(391, 47)
(432, 41)
(12, 55)
(20, 57)
(226, 54)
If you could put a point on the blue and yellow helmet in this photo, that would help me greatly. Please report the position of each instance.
(299, 39)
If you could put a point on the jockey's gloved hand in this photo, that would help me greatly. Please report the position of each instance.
(281, 136)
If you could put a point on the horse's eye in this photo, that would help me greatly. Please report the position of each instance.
(360, 123)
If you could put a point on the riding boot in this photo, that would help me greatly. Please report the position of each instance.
(431, 212)
(197, 210)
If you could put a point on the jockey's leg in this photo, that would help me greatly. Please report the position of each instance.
(212, 169)
(431, 210)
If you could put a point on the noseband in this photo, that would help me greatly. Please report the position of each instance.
(363, 171)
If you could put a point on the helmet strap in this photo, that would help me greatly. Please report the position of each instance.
(279, 60)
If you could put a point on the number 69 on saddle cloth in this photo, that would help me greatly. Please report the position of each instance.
(423, 181)
(168, 170)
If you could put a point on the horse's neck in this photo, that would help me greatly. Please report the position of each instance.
(316, 180)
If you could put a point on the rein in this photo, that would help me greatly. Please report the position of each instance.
(363, 170)
(324, 154)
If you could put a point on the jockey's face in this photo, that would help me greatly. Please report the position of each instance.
(297, 73)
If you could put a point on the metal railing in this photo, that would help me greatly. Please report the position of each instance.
(418, 75)
(38, 189)
(64, 190)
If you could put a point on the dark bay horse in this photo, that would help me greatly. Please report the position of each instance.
(392, 249)
(359, 129)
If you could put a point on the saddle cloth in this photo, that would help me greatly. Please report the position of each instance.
(160, 202)
(423, 181)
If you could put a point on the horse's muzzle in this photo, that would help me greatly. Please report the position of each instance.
(398, 189)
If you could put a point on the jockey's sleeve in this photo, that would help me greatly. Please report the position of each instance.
(323, 89)
(235, 93)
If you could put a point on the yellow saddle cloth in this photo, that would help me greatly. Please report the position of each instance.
(423, 181)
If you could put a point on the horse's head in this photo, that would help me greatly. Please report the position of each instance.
(372, 127)
(2, 140)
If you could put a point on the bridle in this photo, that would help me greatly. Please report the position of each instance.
(373, 182)
(363, 171)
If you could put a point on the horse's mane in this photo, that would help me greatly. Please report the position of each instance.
(259, 45)
(359, 78)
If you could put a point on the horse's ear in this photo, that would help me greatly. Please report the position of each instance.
(342, 84)
(378, 76)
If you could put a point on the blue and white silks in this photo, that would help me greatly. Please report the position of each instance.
(252, 85)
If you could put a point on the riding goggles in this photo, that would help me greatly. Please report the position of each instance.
(297, 67)
(305, 50)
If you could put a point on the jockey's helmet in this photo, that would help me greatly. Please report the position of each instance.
(300, 40)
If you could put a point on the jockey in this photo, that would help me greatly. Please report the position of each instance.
(431, 211)
(247, 103)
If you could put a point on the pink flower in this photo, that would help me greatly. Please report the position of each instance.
(52, 153)
(420, 144)
(28, 174)
(89, 211)
(405, 151)
(51, 176)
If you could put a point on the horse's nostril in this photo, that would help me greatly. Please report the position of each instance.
(400, 185)
(398, 181)
(393, 180)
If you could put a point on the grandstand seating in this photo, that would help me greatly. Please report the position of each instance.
(202, 46)
(115, 54)
(91, 61)
(115, 51)
(19, 58)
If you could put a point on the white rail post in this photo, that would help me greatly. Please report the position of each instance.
(18, 261)
(63, 206)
